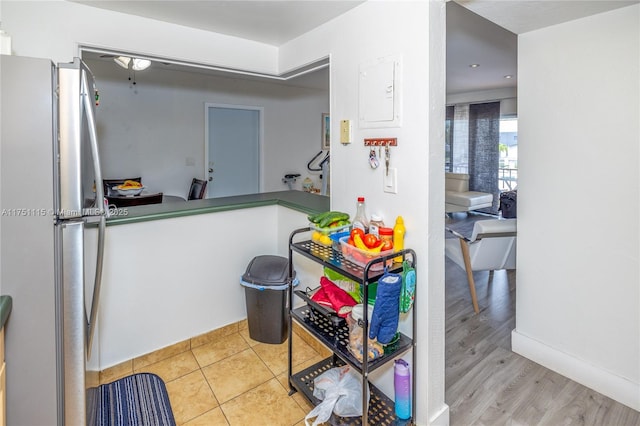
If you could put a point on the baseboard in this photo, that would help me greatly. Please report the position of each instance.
(441, 418)
(615, 387)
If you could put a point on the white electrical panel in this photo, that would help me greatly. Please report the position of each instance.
(380, 93)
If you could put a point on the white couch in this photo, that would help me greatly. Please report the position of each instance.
(458, 198)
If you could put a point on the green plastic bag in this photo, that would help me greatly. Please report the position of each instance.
(348, 285)
(408, 293)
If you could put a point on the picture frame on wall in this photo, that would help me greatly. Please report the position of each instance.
(326, 131)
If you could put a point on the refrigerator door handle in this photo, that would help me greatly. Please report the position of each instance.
(93, 142)
(95, 302)
(99, 208)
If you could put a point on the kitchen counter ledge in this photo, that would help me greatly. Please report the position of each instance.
(297, 200)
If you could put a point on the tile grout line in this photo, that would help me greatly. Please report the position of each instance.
(215, 336)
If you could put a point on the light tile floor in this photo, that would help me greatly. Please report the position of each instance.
(229, 379)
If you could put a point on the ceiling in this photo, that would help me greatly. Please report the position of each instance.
(473, 40)
(267, 21)
(482, 32)
(522, 16)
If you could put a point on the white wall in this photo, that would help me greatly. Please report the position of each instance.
(578, 301)
(416, 32)
(155, 129)
(54, 29)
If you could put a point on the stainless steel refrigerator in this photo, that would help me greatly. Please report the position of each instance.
(52, 233)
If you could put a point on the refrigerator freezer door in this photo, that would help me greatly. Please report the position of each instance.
(71, 239)
(79, 163)
(88, 96)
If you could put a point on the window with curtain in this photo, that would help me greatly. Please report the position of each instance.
(473, 146)
(448, 136)
(508, 171)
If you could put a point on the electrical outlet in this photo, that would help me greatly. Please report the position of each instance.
(345, 131)
(390, 180)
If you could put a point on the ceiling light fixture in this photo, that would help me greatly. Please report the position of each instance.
(140, 64)
(136, 63)
(474, 65)
(123, 61)
(508, 76)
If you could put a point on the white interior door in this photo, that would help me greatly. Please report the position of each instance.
(233, 136)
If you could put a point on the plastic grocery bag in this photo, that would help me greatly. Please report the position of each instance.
(340, 390)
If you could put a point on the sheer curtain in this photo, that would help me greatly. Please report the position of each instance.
(474, 147)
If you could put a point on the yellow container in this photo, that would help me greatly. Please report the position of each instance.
(398, 237)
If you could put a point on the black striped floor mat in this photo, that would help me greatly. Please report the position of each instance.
(137, 400)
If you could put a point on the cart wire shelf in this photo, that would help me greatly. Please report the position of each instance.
(338, 337)
(381, 409)
(336, 260)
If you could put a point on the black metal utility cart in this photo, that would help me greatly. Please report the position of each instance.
(333, 332)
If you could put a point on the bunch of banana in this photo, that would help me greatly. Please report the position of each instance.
(130, 184)
(357, 241)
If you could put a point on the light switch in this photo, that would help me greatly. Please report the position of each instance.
(345, 131)
(390, 180)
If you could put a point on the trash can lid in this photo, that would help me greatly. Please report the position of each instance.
(267, 270)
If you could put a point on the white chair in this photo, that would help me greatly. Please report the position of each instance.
(492, 246)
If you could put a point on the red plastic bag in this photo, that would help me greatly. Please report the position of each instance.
(341, 301)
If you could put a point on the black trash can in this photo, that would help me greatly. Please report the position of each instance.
(266, 284)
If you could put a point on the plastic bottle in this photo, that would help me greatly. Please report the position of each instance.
(307, 184)
(398, 237)
(402, 388)
(375, 224)
(386, 234)
(360, 219)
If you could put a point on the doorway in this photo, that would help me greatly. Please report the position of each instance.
(481, 69)
(233, 136)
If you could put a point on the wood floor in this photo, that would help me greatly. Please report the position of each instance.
(487, 384)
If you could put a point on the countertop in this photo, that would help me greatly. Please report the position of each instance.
(297, 200)
(5, 308)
